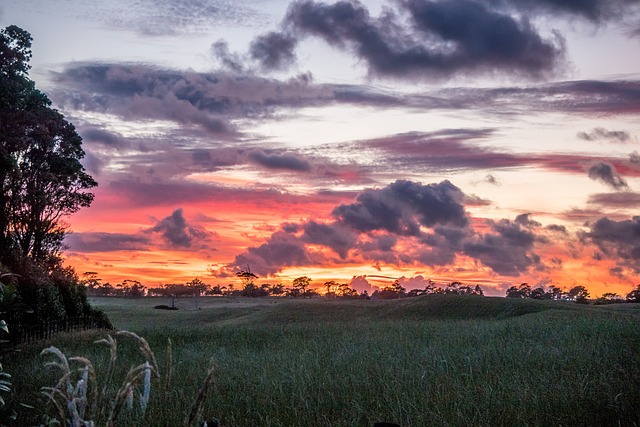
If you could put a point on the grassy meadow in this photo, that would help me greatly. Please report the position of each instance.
(433, 360)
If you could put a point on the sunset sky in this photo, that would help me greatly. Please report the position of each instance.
(492, 142)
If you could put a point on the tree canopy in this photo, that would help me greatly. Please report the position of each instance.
(41, 177)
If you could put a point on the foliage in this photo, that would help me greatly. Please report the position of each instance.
(41, 177)
(634, 295)
(578, 293)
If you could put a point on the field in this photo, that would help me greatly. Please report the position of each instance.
(434, 360)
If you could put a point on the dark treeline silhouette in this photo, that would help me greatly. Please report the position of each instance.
(578, 294)
(300, 288)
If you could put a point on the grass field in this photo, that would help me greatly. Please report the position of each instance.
(434, 360)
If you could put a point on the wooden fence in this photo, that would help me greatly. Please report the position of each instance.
(26, 333)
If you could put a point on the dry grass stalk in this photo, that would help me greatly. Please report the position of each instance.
(196, 409)
(145, 349)
(168, 368)
(101, 402)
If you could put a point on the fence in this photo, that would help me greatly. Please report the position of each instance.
(26, 333)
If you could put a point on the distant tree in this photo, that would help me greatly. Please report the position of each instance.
(277, 289)
(246, 277)
(197, 287)
(478, 291)
(302, 283)
(131, 288)
(415, 292)
(453, 288)
(91, 281)
(609, 298)
(216, 290)
(346, 291)
(253, 291)
(579, 294)
(634, 295)
(522, 291)
(332, 286)
(395, 290)
(538, 293)
(554, 293)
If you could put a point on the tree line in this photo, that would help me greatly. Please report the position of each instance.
(578, 293)
(300, 288)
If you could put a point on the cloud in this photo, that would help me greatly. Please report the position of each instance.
(175, 230)
(229, 61)
(207, 101)
(168, 17)
(287, 161)
(626, 199)
(601, 133)
(491, 179)
(606, 173)
(508, 249)
(334, 236)
(441, 39)
(360, 284)
(617, 240)
(404, 223)
(88, 242)
(597, 11)
(281, 250)
(274, 51)
(403, 207)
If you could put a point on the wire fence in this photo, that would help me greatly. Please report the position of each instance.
(27, 333)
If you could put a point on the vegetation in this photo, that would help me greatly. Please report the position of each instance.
(430, 360)
(41, 182)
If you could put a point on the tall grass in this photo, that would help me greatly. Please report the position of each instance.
(437, 360)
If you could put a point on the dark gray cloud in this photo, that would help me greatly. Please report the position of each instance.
(339, 239)
(208, 101)
(274, 51)
(403, 207)
(606, 173)
(604, 134)
(429, 220)
(444, 38)
(597, 11)
(287, 161)
(175, 230)
(617, 240)
(634, 158)
(281, 250)
(508, 249)
(228, 60)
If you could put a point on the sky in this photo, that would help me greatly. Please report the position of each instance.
(490, 142)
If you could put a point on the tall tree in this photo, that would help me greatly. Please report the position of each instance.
(41, 177)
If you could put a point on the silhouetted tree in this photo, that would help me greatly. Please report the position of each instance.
(538, 293)
(522, 291)
(554, 293)
(634, 295)
(302, 283)
(277, 289)
(41, 177)
(579, 294)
